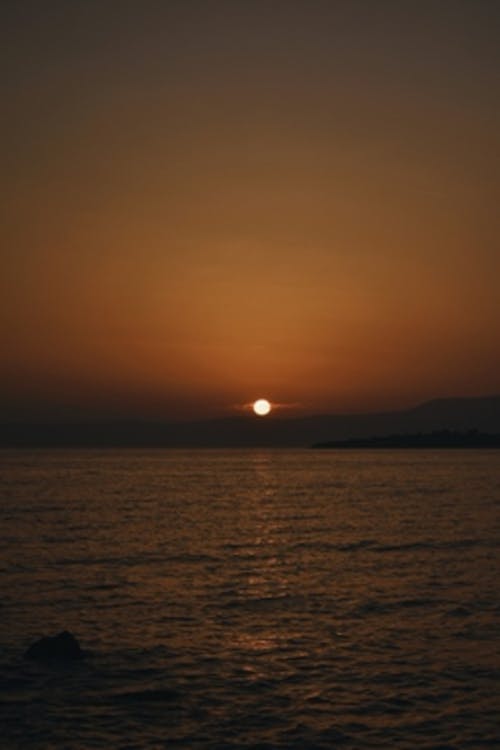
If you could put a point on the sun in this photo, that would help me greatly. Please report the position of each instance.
(261, 407)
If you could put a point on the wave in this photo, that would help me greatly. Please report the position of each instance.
(373, 545)
(147, 695)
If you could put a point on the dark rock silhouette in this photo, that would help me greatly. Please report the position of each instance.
(61, 647)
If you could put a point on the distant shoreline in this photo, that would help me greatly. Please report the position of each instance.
(441, 423)
(441, 439)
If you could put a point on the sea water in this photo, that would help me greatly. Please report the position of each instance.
(252, 599)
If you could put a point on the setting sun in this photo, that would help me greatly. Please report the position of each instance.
(261, 407)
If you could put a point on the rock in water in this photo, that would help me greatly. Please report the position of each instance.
(62, 647)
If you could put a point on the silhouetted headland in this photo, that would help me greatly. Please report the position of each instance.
(438, 439)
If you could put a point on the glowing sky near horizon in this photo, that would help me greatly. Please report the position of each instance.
(204, 201)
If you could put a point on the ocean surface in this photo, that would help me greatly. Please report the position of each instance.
(292, 600)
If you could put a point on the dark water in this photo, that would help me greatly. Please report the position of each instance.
(296, 600)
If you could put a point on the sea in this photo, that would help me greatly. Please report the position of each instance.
(256, 599)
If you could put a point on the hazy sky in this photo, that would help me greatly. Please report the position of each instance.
(204, 202)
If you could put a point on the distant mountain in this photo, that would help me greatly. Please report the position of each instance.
(455, 414)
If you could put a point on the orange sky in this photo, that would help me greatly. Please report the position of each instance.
(208, 202)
